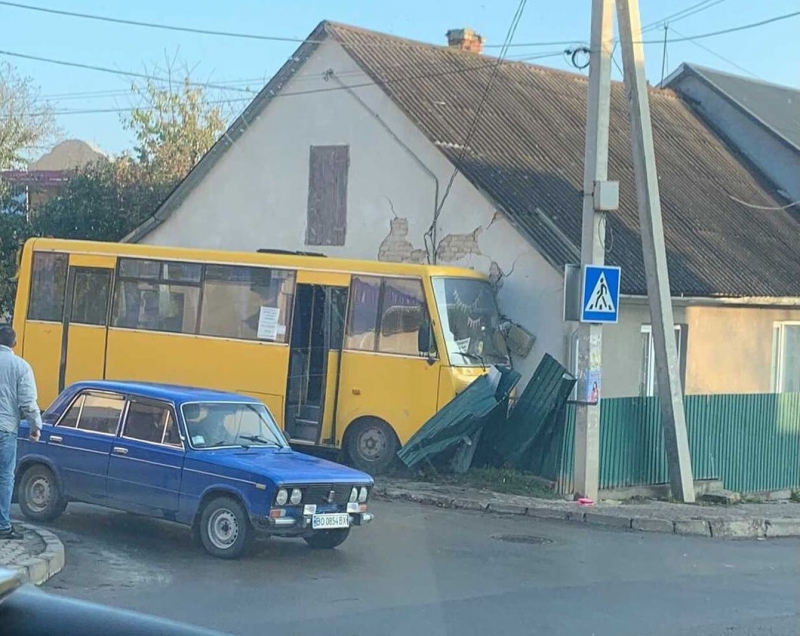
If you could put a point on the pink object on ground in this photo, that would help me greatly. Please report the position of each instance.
(585, 501)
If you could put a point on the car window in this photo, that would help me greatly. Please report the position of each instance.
(70, 419)
(151, 422)
(100, 413)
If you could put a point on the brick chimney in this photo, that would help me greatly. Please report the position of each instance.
(465, 39)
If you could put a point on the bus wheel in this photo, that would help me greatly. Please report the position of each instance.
(372, 445)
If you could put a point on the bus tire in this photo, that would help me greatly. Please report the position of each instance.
(372, 445)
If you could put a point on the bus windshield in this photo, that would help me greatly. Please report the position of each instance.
(470, 321)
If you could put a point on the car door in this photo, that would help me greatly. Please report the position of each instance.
(80, 444)
(144, 471)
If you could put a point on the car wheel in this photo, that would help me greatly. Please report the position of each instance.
(372, 445)
(40, 498)
(225, 529)
(327, 539)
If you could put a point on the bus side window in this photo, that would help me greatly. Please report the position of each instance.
(48, 287)
(362, 321)
(405, 323)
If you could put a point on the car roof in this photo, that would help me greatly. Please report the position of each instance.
(169, 392)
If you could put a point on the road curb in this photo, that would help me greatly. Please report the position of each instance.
(717, 528)
(39, 568)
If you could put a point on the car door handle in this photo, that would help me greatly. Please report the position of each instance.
(56, 439)
(118, 450)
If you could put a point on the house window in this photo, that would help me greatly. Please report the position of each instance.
(786, 358)
(327, 195)
(648, 385)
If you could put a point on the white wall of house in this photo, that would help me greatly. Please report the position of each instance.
(775, 159)
(257, 194)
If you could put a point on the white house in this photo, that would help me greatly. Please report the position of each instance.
(356, 148)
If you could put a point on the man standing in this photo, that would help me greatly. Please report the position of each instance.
(17, 397)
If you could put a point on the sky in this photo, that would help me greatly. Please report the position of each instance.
(770, 52)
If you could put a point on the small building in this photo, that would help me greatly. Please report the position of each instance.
(43, 178)
(759, 119)
(366, 145)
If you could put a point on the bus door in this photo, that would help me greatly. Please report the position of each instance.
(85, 324)
(320, 304)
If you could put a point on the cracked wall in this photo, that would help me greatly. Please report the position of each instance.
(396, 247)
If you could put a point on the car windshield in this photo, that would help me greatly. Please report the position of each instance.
(470, 321)
(225, 424)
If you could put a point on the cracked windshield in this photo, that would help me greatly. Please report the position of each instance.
(434, 318)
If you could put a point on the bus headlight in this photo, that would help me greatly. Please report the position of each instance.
(297, 496)
(282, 497)
(362, 494)
(354, 495)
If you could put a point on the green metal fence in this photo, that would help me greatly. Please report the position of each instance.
(750, 442)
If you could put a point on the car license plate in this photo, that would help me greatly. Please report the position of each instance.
(329, 522)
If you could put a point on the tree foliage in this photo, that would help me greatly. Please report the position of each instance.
(25, 122)
(172, 127)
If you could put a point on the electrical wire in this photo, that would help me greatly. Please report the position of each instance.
(397, 80)
(680, 15)
(102, 69)
(768, 208)
(227, 34)
(699, 36)
(720, 57)
(512, 29)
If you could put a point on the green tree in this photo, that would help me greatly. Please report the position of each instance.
(26, 123)
(172, 129)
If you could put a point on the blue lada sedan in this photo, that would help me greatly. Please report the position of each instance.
(214, 461)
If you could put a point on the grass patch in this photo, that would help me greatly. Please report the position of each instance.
(502, 480)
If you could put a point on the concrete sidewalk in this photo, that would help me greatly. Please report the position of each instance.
(767, 520)
(38, 557)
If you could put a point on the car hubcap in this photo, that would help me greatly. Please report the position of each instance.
(38, 494)
(372, 444)
(223, 529)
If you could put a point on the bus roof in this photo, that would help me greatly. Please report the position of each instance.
(289, 261)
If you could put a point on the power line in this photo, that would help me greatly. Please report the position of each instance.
(102, 69)
(512, 29)
(680, 15)
(212, 32)
(386, 82)
(718, 56)
(699, 36)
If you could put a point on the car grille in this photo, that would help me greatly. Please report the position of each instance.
(319, 493)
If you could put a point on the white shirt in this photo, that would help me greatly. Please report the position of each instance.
(17, 393)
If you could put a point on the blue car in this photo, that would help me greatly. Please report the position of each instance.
(214, 461)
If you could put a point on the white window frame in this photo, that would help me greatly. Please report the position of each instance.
(649, 382)
(778, 353)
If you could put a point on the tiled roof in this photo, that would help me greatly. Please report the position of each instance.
(773, 106)
(527, 155)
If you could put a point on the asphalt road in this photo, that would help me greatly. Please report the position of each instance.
(421, 570)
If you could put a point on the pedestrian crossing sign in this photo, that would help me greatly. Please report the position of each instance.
(600, 298)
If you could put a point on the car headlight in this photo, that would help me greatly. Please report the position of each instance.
(362, 494)
(297, 496)
(282, 497)
(354, 495)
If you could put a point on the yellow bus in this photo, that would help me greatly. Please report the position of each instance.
(346, 354)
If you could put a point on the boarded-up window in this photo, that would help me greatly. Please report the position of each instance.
(327, 195)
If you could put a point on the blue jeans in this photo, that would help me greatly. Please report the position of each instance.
(8, 462)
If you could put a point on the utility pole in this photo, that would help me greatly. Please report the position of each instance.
(655, 255)
(595, 171)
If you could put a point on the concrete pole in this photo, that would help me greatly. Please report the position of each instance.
(595, 169)
(655, 254)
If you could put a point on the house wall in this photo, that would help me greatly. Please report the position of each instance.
(775, 159)
(256, 195)
(730, 348)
